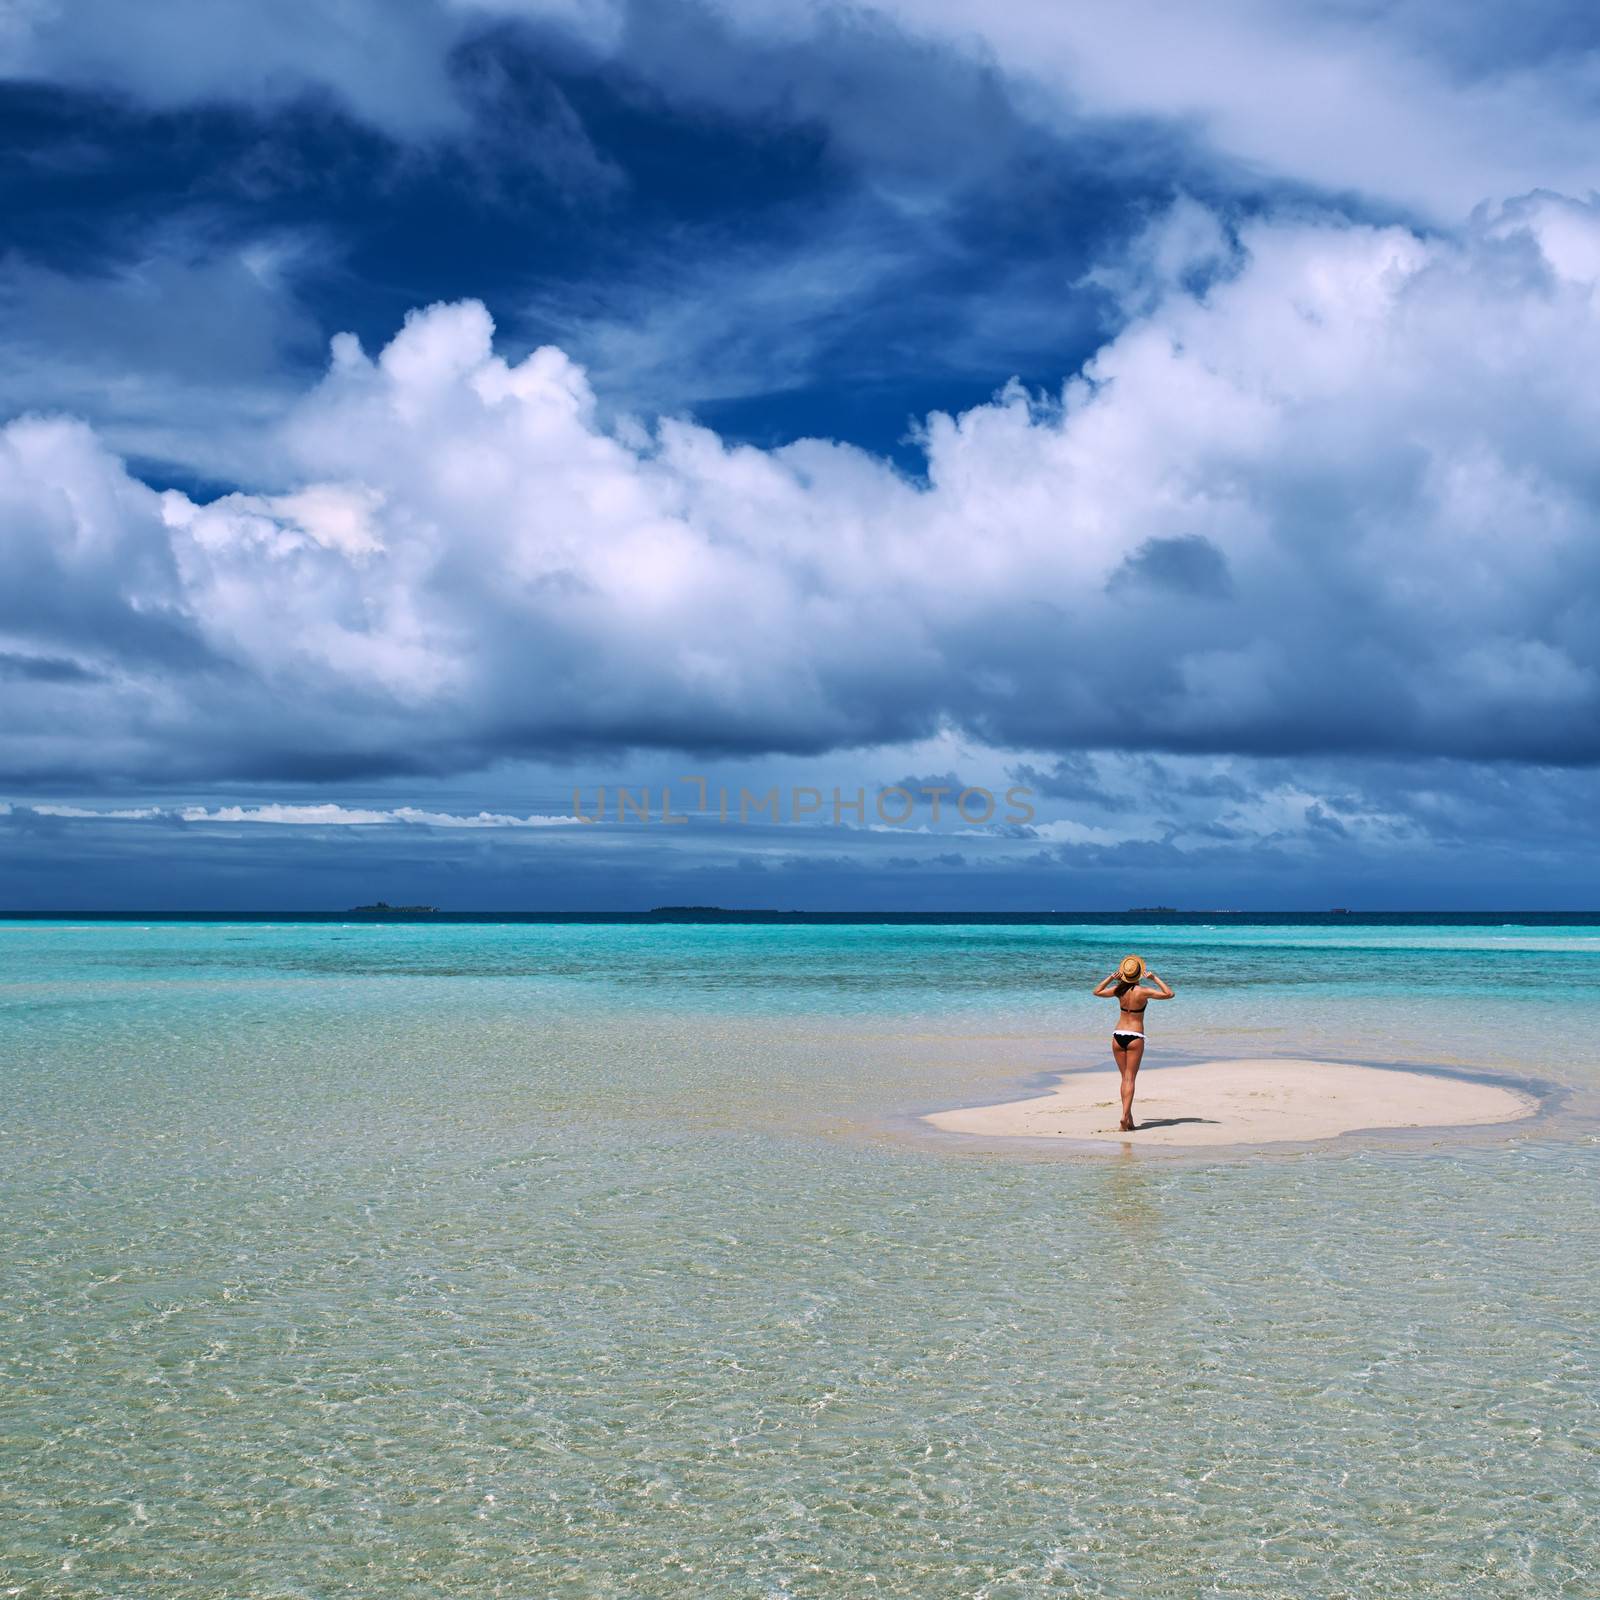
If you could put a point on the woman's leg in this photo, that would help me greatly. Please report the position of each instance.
(1128, 1065)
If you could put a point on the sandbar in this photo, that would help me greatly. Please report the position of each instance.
(1244, 1102)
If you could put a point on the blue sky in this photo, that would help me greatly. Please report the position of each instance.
(412, 416)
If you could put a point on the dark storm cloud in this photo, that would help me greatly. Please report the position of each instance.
(1410, 834)
(931, 780)
(44, 669)
(1072, 777)
(1165, 778)
(1442, 119)
(1185, 564)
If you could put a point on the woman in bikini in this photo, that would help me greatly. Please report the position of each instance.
(1133, 986)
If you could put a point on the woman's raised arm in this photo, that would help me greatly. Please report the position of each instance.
(1107, 986)
(1163, 992)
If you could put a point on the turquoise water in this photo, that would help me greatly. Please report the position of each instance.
(542, 1260)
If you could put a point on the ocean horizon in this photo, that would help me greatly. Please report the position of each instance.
(1131, 918)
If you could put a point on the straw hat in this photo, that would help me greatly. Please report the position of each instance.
(1130, 969)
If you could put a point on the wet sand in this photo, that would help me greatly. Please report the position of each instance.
(1243, 1102)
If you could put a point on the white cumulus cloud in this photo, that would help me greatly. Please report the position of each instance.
(321, 815)
(1339, 498)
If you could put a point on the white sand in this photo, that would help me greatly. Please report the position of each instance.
(1243, 1102)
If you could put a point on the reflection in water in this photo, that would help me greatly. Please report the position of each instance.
(1140, 1274)
(1132, 1198)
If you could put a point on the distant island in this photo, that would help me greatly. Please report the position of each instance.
(1135, 911)
(383, 906)
(678, 911)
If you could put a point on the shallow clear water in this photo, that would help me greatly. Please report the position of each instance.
(532, 1260)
